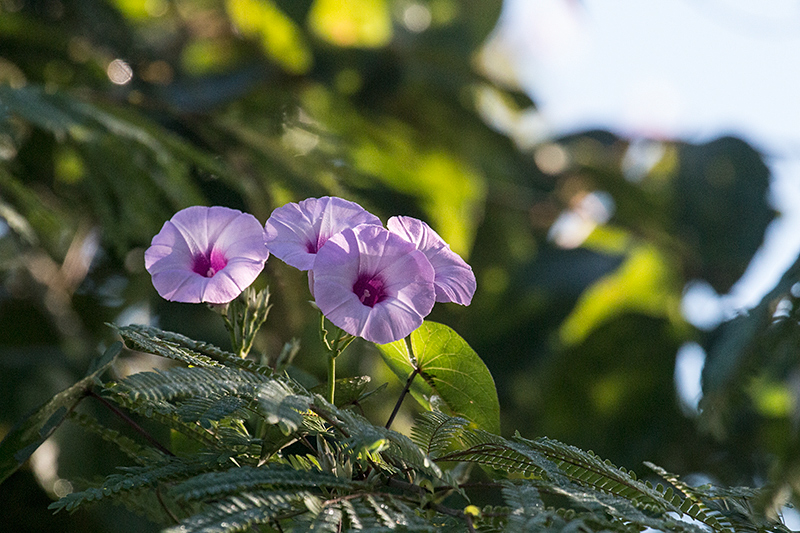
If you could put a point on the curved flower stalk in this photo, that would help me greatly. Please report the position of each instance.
(297, 231)
(373, 284)
(206, 254)
(454, 280)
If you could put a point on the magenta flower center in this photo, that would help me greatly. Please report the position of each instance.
(313, 247)
(369, 289)
(209, 263)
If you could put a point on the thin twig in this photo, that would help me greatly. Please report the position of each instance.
(164, 506)
(439, 508)
(476, 484)
(277, 519)
(336, 425)
(128, 420)
(468, 520)
(402, 397)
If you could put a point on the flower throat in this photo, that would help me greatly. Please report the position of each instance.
(369, 290)
(209, 263)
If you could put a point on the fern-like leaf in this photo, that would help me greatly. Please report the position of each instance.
(435, 432)
(371, 512)
(693, 503)
(245, 478)
(589, 470)
(589, 510)
(398, 450)
(495, 452)
(167, 415)
(140, 454)
(240, 511)
(279, 405)
(134, 478)
(151, 336)
(205, 410)
(181, 382)
(139, 338)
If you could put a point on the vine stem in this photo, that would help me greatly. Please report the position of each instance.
(128, 420)
(412, 358)
(164, 506)
(330, 420)
(401, 398)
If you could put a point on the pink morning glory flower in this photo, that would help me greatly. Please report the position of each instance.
(454, 279)
(373, 284)
(295, 232)
(206, 254)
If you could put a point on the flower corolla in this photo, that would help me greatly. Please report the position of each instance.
(206, 254)
(454, 279)
(297, 231)
(373, 284)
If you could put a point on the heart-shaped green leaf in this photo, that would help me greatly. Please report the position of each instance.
(452, 378)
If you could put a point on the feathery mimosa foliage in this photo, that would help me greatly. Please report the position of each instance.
(267, 453)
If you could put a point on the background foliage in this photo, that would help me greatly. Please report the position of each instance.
(115, 114)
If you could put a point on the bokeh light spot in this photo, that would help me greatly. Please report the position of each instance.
(417, 18)
(551, 158)
(119, 72)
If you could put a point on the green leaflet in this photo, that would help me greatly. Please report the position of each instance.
(450, 372)
(238, 512)
(138, 478)
(348, 390)
(215, 485)
(181, 348)
(20, 443)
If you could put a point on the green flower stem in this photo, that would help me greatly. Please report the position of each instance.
(331, 376)
(336, 346)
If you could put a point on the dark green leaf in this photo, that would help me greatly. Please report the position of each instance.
(24, 438)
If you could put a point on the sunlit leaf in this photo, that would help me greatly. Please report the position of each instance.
(207, 56)
(141, 10)
(357, 23)
(451, 378)
(280, 37)
(450, 204)
(644, 283)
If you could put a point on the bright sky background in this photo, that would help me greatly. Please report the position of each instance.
(685, 69)
(692, 70)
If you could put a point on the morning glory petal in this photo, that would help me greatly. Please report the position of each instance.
(296, 231)
(454, 279)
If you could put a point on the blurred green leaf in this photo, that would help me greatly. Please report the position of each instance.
(357, 23)
(451, 378)
(644, 283)
(282, 40)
